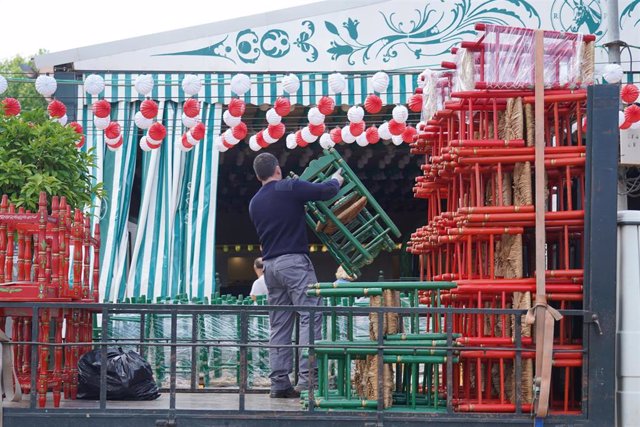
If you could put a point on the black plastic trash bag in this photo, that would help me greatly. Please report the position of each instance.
(129, 376)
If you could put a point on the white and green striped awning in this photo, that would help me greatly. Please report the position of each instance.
(173, 251)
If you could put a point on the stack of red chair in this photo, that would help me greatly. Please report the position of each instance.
(36, 265)
(478, 181)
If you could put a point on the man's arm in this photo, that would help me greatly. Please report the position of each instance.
(309, 191)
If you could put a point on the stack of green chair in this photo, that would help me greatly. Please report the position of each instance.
(352, 225)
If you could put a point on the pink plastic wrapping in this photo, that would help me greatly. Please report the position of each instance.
(507, 59)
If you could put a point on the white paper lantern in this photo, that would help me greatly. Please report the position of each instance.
(268, 138)
(337, 83)
(291, 141)
(190, 139)
(46, 85)
(396, 139)
(240, 84)
(383, 131)
(3, 84)
(400, 113)
(219, 145)
(380, 81)
(62, 120)
(101, 122)
(272, 117)
(315, 116)
(326, 142)
(143, 144)
(290, 83)
(361, 140)
(621, 118)
(189, 122)
(144, 84)
(228, 136)
(191, 84)
(141, 121)
(347, 138)
(307, 136)
(613, 73)
(253, 143)
(355, 114)
(94, 84)
(230, 120)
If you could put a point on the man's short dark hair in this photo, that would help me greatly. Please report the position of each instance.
(264, 165)
(258, 263)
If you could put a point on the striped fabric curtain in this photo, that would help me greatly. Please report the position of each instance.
(174, 248)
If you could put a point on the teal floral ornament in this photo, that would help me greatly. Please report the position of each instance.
(247, 46)
(275, 43)
(438, 28)
(219, 50)
(303, 43)
(630, 15)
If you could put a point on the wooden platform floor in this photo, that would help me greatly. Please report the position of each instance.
(188, 401)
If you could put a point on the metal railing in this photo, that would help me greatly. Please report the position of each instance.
(172, 413)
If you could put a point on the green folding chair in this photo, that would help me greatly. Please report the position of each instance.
(352, 225)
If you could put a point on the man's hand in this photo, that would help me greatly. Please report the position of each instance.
(337, 175)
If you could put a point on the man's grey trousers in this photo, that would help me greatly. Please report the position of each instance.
(287, 278)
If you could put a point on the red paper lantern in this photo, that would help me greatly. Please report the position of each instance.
(102, 108)
(316, 130)
(11, 107)
(356, 129)
(260, 140)
(237, 107)
(80, 142)
(629, 93)
(276, 131)
(191, 107)
(632, 113)
(157, 132)
(336, 135)
(301, 142)
(112, 130)
(76, 126)
(152, 145)
(625, 125)
(225, 143)
(56, 109)
(372, 135)
(149, 109)
(326, 104)
(117, 144)
(409, 134)
(396, 128)
(415, 103)
(198, 131)
(282, 106)
(239, 131)
(373, 104)
(185, 142)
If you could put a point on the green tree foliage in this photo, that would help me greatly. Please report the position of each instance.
(21, 86)
(38, 154)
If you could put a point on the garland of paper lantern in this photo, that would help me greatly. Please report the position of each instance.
(355, 130)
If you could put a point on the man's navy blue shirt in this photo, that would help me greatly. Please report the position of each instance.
(277, 212)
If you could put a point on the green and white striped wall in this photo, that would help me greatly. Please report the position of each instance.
(174, 247)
